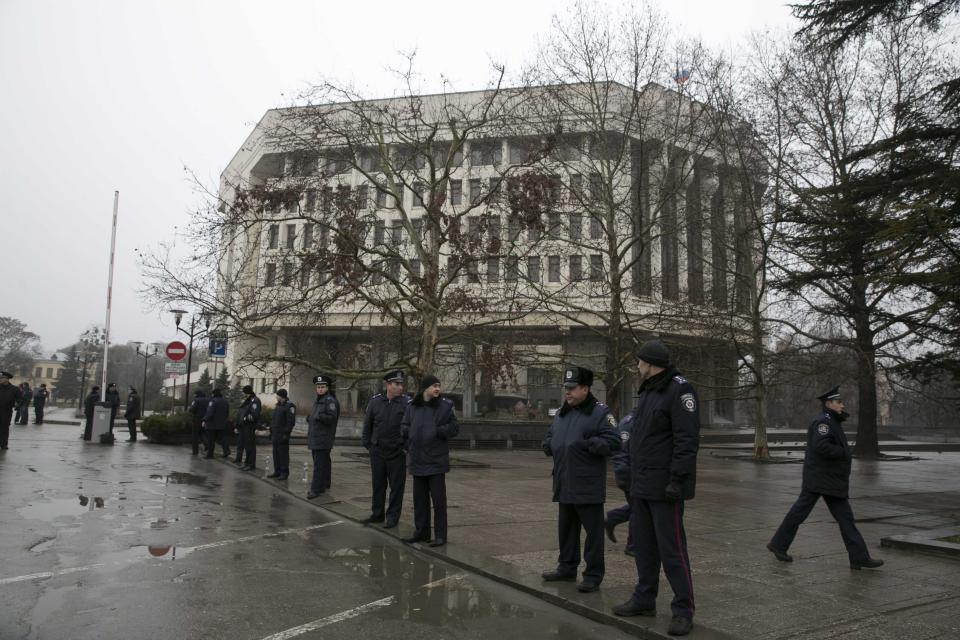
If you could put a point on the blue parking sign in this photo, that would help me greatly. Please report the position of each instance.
(218, 347)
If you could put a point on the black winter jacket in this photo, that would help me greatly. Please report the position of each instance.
(218, 411)
(381, 425)
(426, 428)
(282, 419)
(133, 407)
(322, 422)
(826, 466)
(249, 411)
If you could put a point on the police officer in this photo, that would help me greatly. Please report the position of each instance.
(23, 406)
(322, 428)
(580, 439)
(427, 426)
(248, 417)
(132, 413)
(383, 439)
(662, 456)
(215, 422)
(9, 400)
(826, 474)
(197, 409)
(89, 404)
(112, 398)
(282, 420)
(39, 401)
(621, 472)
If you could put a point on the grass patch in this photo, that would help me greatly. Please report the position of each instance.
(953, 539)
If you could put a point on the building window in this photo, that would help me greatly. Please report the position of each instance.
(493, 269)
(553, 222)
(38, 372)
(415, 268)
(396, 233)
(382, 198)
(324, 237)
(485, 152)
(576, 225)
(311, 200)
(494, 187)
(493, 230)
(270, 277)
(533, 233)
(376, 277)
(304, 277)
(596, 267)
(473, 272)
(596, 229)
(553, 269)
(513, 269)
(576, 268)
(273, 236)
(287, 274)
(307, 235)
(379, 232)
(456, 191)
(596, 187)
(369, 161)
(291, 235)
(475, 194)
(363, 196)
(263, 385)
(473, 226)
(418, 189)
(49, 372)
(417, 228)
(576, 188)
(533, 268)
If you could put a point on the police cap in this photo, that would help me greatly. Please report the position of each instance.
(573, 376)
(832, 394)
(6, 374)
(394, 376)
(322, 379)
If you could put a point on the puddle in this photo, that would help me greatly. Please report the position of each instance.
(178, 477)
(56, 508)
(161, 523)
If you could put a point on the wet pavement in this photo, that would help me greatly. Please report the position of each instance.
(144, 541)
(502, 532)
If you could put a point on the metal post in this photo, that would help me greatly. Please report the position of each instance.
(186, 393)
(106, 331)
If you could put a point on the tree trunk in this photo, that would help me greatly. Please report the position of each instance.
(868, 445)
(429, 336)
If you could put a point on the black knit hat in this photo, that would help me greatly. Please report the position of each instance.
(428, 381)
(282, 393)
(654, 352)
(247, 389)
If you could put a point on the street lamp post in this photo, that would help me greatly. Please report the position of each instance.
(193, 333)
(146, 355)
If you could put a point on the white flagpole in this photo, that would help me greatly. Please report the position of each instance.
(106, 331)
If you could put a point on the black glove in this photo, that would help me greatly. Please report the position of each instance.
(673, 491)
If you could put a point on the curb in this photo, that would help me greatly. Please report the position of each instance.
(925, 542)
(506, 575)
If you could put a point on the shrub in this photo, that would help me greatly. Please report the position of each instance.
(165, 428)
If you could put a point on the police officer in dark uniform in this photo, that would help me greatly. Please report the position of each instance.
(89, 404)
(198, 409)
(9, 399)
(621, 472)
(39, 402)
(428, 424)
(661, 449)
(215, 422)
(826, 474)
(383, 439)
(112, 397)
(248, 417)
(132, 413)
(322, 429)
(282, 420)
(580, 439)
(23, 406)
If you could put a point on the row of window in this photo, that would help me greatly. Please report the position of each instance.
(38, 372)
(477, 226)
(493, 269)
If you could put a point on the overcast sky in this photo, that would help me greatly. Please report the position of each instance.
(122, 95)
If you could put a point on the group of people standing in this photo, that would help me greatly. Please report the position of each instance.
(39, 399)
(111, 399)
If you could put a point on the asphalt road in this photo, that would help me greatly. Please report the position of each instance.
(143, 541)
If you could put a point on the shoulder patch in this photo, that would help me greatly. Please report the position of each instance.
(679, 379)
(379, 395)
(823, 429)
(293, 409)
(447, 400)
(689, 402)
(624, 435)
(611, 420)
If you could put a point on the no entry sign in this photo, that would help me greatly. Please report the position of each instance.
(176, 350)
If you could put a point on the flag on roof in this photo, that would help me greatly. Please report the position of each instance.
(681, 76)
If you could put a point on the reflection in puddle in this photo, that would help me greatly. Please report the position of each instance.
(55, 508)
(179, 477)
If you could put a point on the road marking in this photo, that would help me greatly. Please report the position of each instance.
(335, 618)
(436, 583)
(184, 551)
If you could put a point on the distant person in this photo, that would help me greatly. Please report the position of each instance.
(197, 410)
(39, 402)
(383, 439)
(113, 399)
(23, 405)
(132, 413)
(9, 400)
(428, 424)
(322, 430)
(248, 417)
(621, 472)
(826, 474)
(282, 421)
(89, 405)
(215, 422)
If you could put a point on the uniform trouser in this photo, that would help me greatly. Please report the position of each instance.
(660, 540)
(571, 517)
(321, 470)
(387, 471)
(88, 428)
(113, 416)
(281, 456)
(619, 515)
(5, 417)
(195, 433)
(214, 436)
(841, 512)
(21, 417)
(132, 428)
(426, 489)
(37, 414)
(247, 444)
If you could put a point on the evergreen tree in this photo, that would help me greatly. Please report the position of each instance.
(204, 384)
(223, 379)
(68, 385)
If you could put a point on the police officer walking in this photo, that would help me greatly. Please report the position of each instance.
(132, 413)
(427, 426)
(580, 439)
(661, 449)
(23, 405)
(215, 422)
(322, 429)
(9, 400)
(198, 409)
(89, 404)
(826, 474)
(39, 402)
(248, 417)
(383, 439)
(282, 420)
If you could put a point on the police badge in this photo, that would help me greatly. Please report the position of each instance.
(823, 429)
(689, 402)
